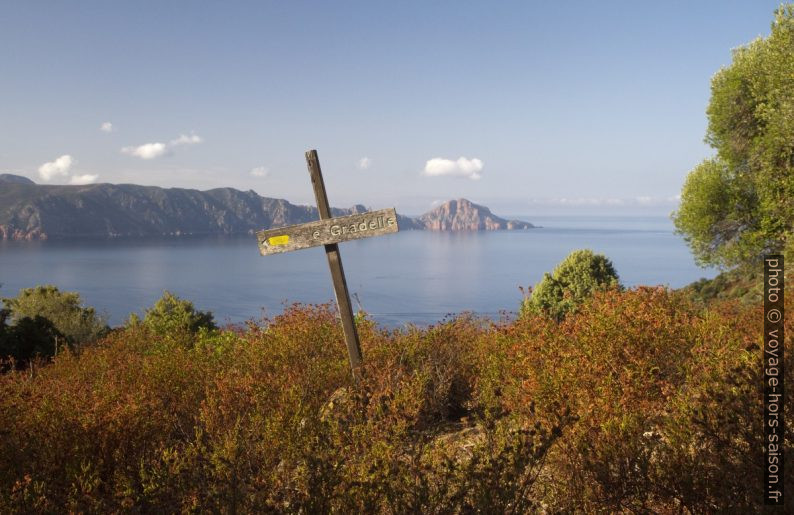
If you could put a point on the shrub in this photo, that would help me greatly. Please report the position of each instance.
(644, 401)
(42, 320)
(77, 323)
(30, 338)
(572, 281)
(667, 395)
(172, 315)
(4, 332)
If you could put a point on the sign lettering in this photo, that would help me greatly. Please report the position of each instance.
(325, 232)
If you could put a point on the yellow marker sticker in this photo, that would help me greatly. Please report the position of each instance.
(278, 240)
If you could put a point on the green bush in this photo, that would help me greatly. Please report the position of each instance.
(64, 309)
(172, 315)
(575, 279)
(43, 319)
(30, 338)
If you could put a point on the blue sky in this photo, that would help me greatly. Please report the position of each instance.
(528, 107)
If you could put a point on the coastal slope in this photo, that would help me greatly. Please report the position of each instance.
(33, 211)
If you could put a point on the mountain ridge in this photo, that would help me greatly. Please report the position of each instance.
(30, 211)
(10, 178)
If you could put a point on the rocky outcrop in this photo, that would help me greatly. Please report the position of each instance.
(13, 233)
(464, 215)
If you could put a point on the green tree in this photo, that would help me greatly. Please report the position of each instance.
(64, 310)
(740, 203)
(28, 338)
(171, 315)
(575, 279)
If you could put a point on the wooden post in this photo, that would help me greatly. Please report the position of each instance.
(335, 264)
(329, 232)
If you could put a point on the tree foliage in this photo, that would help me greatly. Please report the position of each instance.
(575, 279)
(171, 315)
(64, 310)
(740, 203)
(42, 319)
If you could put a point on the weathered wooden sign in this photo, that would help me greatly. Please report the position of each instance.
(324, 232)
(329, 231)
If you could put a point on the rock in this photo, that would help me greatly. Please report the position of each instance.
(332, 407)
(459, 440)
(464, 215)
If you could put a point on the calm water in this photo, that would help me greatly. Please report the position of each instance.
(411, 276)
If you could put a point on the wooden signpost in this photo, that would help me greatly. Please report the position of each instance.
(329, 231)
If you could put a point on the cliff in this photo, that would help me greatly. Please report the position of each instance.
(464, 215)
(30, 211)
(33, 211)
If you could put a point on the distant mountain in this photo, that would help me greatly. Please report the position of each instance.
(33, 211)
(9, 178)
(464, 215)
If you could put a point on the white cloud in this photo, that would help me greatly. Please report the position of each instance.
(83, 179)
(260, 171)
(462, 167)
(184, 139)
(106, 127)
(60, 166)
(364, 163)
(146, 151)
(152, 150)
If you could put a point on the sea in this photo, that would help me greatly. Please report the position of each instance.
(412, 277)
